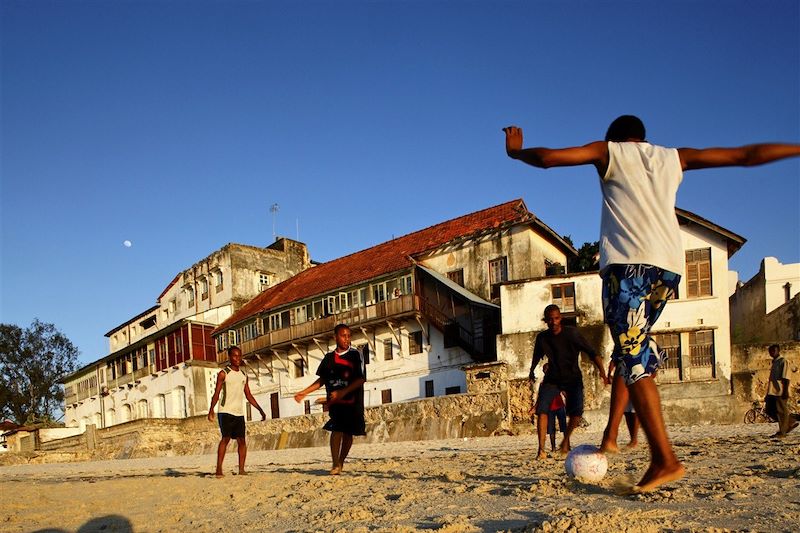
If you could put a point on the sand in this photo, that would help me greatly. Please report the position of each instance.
(738, 479)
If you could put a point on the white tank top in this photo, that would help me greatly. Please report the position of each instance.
(232, 396)
(638, 223)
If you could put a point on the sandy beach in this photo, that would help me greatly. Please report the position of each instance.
(739, 479)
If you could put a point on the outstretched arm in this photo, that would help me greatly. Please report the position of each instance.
(743, 156)
(308, 390)
(595, 153)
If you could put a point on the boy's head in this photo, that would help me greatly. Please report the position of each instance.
(626, 128)
(235, 356)
(342, 335)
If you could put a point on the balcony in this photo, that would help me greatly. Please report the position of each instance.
(359, 316)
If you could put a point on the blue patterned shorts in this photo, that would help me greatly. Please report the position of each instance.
(633, 298)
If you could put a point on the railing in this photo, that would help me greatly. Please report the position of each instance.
(325, 325)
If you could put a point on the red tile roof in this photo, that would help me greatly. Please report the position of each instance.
(384, 258)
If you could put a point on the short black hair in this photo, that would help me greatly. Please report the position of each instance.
(624, 128)
(551, 307)
(232, 348)
(340, 327)
(774, 347)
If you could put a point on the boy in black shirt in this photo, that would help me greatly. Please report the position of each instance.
(561, 345)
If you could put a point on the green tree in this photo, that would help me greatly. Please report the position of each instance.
(32, 361)
(588, 256)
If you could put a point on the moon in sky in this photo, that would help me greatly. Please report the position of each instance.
(127, 244)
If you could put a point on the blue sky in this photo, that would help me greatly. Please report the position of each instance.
(176, 125)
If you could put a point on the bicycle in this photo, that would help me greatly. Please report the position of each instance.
(757, 414)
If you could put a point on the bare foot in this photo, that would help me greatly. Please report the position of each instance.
(242, 473)
(219, 474)
(541, 455)
(336, 470)
(609, 447)
(657, 476)
(632, 445)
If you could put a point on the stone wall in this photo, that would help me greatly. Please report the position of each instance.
(443, 417)
(751, 364)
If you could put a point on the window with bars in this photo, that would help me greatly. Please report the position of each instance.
(670, 343)
(564, 296)
(456, 276)
(498, 273)
(698, 273)
(701, 348)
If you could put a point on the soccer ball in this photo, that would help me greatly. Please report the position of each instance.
(586, 463)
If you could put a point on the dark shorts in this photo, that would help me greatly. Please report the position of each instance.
(346, 418)
(231, 426)
(548, 391)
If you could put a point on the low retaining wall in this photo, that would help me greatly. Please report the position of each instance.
(444, 417)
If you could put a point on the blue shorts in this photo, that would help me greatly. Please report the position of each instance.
(633, 298)
(548, 391)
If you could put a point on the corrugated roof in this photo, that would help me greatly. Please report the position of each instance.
(384, 258)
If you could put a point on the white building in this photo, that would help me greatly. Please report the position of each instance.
(419, 306)
(765, 309)
(694, 327)
(162, 362)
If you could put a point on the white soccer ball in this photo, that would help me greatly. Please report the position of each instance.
(586, 463)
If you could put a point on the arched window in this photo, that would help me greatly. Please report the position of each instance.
(110, 417)
(179, 401)
(126, 413)
(160, 407)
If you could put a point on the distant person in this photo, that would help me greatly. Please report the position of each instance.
(342, 373)
(561, 345)
(777, 399)
(623, 407)
(641, 252)
(232, 384)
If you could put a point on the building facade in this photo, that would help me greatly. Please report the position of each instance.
(420, 307)
(767, 307)
(162, 362)
(694, 327)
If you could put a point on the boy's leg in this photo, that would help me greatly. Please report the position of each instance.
(572, 423)
(541, 430)
(336, 448)
(632, 421)
(242, 448)
(221, 448)
(347, 442)
(619, 400)
(664, 464)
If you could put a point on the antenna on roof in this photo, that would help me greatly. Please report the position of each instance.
(274, 210)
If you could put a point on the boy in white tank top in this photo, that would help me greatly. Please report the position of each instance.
(641, 257)
(232, 386)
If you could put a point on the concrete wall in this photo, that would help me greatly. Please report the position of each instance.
(751, 364)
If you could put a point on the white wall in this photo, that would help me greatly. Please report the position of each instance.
(777, 275)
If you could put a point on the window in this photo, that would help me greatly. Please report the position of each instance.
(456, 276)
(453, 390)
(701, 348)
(387, 350)
(274, 321)
(355, 300)
(429, 388)
(344, 301)
(698, 273)
(415, 342)
(564, 297)
(218, 281)
(300, 314)
(264, 280)
(407, 284)
(141, 409)
(670, 343)
(379, 292)
(190, 296)
(299, 368)
(173, 305)
(386, 396)
(498, 273)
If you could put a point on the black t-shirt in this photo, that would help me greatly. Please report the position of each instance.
(338, 372)
(562, 352)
